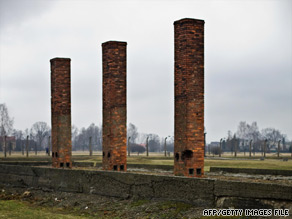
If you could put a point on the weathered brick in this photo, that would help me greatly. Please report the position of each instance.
(61, 112)
(114, 129)
(189, 97)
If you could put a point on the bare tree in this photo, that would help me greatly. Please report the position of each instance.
(132, 132)
(248, 131)
(80, 138)
(19, 137)
(154, 143)
(242, 131)
(6, 124)
(273, 135)
(94, 132)
(74, 135)
(40, 130)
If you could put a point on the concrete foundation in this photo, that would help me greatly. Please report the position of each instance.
(202, 192)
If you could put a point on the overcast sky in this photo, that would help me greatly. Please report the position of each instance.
(248, 53)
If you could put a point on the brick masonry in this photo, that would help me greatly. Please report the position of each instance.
(114, 128)
(61, 112)
(189, 97)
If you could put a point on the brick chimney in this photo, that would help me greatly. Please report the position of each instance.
(61, 112)
(189, 97)
(114, 125)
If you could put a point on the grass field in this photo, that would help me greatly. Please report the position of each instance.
(270, 162)
(111, 208)
(18, 209)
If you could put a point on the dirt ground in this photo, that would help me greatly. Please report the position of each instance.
(94, 206)
(79, 205)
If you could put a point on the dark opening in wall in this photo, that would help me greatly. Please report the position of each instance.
(187, 154)
(122, 168)
(109, 154)
(115, 167)
(199, 171)
(191, 171)
(176, 156)
(61, 164)
(103, 154)
(56, 154)
(53, 154)
(67, 164)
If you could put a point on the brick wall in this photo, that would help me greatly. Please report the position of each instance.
(114, 129)
(61, 112)
(189, 97)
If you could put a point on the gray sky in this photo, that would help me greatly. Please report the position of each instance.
(248, 53)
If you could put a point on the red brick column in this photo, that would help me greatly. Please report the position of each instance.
(189, 97)
(61, 112)
(114, 128)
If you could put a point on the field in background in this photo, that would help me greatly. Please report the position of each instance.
(156, 154)
(270, 162)
(246, 155)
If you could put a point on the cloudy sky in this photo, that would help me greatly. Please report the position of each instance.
(248, 53)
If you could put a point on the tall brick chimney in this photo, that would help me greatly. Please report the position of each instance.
(61, 112)
(114, 128)
(189, 97)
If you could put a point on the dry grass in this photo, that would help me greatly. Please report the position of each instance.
(271, 162)
(275, 164)
(18, 209)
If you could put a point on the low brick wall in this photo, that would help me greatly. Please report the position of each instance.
(199, 192)
(252, 171)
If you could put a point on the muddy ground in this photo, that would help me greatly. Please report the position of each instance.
(99, 206)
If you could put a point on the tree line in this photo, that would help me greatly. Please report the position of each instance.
(38, 137)
(249, 137)
(136, 140)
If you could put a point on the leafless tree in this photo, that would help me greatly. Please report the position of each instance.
(6, 123)
(74, 135)
(39, 131)
(248, 131)
(272, 135)
(81, 138)
(19, 137)
(154, 143)
(132, 132)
